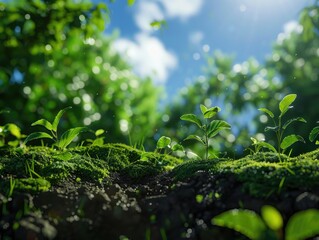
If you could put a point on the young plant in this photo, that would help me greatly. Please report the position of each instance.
(10, 134)
(313, 134)
(165, 142)
(209, 128)
(99, 139)
(258, 145)
(60, 142)
(301, 225)
(280, 127)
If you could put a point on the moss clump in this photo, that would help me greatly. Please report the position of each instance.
(150, 164)
(261, 174)
(32, 184)
(116, 156)
(187, 169)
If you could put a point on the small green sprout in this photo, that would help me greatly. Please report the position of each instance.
(209, 128)
(258, 145)
(269, 225)
(10, 134)
(313, 134)
(99, 139)
(166, 142)
(65, 139)
(279, 127)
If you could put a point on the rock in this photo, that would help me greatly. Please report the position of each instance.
(306, 200)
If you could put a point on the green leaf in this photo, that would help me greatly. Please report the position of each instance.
(13, 129)
(291, 139)
(265, 145)
(37, 135)
(69, 136)
(211, 112)
(285, 103)
(99, 132)
(303, 225)
(244, 221)
(98, 142)
(216, 126)
(130, 2)
(57, 119)
(177, 147)
(163, 142)
(203, 108)
(272, 217)
(299, 119)
(313, 134)
(265, 110)
(192, 118)
(195, 137)
(43, 122)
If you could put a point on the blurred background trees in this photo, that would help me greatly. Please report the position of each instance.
(54, 54)
(240, 89)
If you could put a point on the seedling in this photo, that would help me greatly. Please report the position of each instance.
(165, 142)
(8, 131)
(99, 139)
(209, 128)
(258, 145)
(313, 134)
(279, 128)
(269, 225)
(65, 139)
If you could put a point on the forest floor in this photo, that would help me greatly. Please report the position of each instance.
(111, 192)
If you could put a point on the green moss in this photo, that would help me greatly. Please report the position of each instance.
(150, 164)
(32, 184)
(261, 174)
(116, 156)
(188, 168)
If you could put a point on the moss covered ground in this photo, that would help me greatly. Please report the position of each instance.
(35, 170)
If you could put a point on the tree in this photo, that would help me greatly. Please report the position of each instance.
(55, 55)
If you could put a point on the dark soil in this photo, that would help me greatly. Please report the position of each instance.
(152, 208)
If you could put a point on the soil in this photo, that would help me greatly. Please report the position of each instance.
(154, 208)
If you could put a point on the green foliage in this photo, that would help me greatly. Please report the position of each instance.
(244, 221)
(66, 60)
(60, 142)
(209, 129)
(313, 134)
(165, 142)
(301, 225)
(99, 139)
(280, 127)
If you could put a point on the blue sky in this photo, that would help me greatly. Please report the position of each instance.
(174, 56)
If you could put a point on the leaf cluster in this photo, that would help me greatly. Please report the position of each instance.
(279, 127)
(60, 142)
(301, 225)
(209, 128)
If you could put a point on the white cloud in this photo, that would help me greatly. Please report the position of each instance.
(196, 37)
(289, 28)
(148, 56)
(182, 8)
(146, 13)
